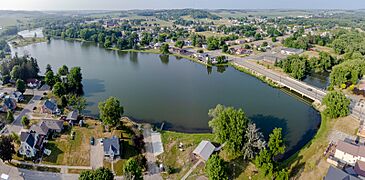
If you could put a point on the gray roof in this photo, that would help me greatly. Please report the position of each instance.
(40, 128)
(293, 50)
(111, 145)
(204, 150)
(337, 174)
(73, 115)
(28, 138)
(53, 124)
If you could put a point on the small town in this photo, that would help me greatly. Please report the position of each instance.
(137, 90)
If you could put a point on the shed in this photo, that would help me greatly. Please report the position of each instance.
(204, 150)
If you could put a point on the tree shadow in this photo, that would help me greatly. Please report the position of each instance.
(55, 152)
(236, 167)
(93, 86)
(268, 123)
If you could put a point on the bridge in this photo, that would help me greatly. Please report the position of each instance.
(357, 107)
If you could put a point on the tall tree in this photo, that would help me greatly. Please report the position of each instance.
(229, 126)
(6, 148)
(10, 116)
(49, 78)
(164, 49)
(216, 168)
(110, 111)
(20, 85)
(74, 81)
(59, 89)
(15, 72)
(254, 141)
(63, 70)
(276, 143)
(77, 102)
(132, 171)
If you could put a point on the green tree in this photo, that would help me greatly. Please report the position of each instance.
(225, 48)
(9, 116)
(20, 85)
(179, 44)
(337, 104)
(276, 143)
(110, 111)
(98, 174)
(216, 168)
(86, 175)
(103, 174)
(49, 78)
(164, 49)
(25, 121)
(77, 102)
(229, 126)
(74, 81)
(63, 70)
(6, 148)
(59, 89)
(15, 72)
(48, 68)
(132, 171)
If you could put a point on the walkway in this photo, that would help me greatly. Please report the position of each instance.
(64, 168)
(191, 170)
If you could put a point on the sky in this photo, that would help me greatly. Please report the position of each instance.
(168, 4)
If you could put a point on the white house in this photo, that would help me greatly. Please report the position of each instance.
(291, 51)
(349, 153)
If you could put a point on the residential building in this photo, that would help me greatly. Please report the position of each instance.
(360, 168)
(18, 96)
(50, 107)
(204, 150)
(337, 174)
(111, 147)
(291, 51)
(33, 83)
(349, 153)
(46, 127)
(31, 144)
(9, 104)
(72, 116)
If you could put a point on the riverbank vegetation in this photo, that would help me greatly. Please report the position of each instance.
(337, 104)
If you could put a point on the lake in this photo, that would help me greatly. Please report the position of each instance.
(179, 92)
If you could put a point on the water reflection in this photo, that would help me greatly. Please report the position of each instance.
(164, 59)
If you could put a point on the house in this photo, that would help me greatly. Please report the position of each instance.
(157, 45)
(9, 104)
(204, 46)
(291, 51)
(18, 96)
(31, 144)
(360, 168)
(72, 116)
(204, 150)
(33, 83)
(111, 147)
(337, 174)
(240, 51)
(47, 126)
(349, 153)
(50, 106)
(240, 41)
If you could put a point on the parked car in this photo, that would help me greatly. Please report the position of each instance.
(92, 141)
(101, 140)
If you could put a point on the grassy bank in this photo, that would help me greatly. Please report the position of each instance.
(20, 42)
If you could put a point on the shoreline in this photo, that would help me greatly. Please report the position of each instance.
(239, 68)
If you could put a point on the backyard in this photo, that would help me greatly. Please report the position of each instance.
(179, 162)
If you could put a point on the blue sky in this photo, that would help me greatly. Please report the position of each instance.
(166, 4)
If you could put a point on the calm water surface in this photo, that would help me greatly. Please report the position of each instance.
(179, 92)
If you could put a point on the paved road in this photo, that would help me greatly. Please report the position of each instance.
(16, 125)
(16, 173)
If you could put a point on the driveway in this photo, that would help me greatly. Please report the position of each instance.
(96, 155)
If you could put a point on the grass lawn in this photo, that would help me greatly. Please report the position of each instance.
(74, 152)
(118, 167)
(180, 161)
(75, 171)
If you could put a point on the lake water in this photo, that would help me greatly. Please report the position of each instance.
(179, 92)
